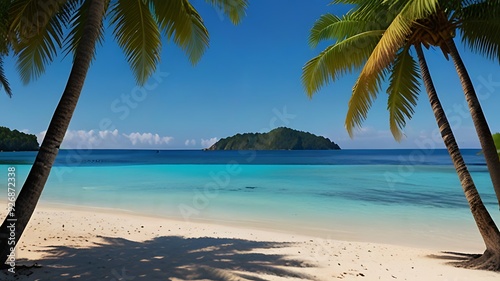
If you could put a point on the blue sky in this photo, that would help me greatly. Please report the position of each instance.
(247, 81)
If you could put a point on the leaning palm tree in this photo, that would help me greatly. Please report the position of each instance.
(376, 38)
(4, 44)
(138, 28)
(490, 259)
(478, 22)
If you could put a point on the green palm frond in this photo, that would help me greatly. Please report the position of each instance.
(459, 5)
(234, 9)
(352, 2)
(341, 58)
(4, 27)
(383, 55)
(180, 21)
(4, 44)
(363, 94)
(453, 5)
(360, 4)
(75, 13)
(137, 33)
(396, 33)
(69, 8)
(416, 9)
(376, 11)
(403, 92)
(480, 28)
(394, 20)
(324, 29)
(331, 27)
(3, 79)
(39, 35)
(496, 140)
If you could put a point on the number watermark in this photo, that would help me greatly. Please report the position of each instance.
(11, 207)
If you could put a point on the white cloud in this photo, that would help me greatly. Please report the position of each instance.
(191, 142)
(147, 139)
(81, 139)
(40, 137)
(209, 142)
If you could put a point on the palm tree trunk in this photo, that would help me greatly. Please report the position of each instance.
(480, 123)
(487, 228)
(39, 173)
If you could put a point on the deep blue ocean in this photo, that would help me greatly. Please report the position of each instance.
(401, 196)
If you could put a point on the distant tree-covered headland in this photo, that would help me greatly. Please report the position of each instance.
(278, 139)
(13, 140)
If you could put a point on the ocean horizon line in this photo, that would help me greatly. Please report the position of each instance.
(204, 149)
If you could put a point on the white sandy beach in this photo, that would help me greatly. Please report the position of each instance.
(94, 244)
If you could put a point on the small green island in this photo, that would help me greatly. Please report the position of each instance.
(13, 140)
(281, 138)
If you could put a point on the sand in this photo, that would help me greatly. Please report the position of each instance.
(74, 243)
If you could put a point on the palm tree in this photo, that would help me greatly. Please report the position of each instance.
(138, 26)
(4, 44)
(435, 23)
(479, 24)
(376, 38)
(489, 232)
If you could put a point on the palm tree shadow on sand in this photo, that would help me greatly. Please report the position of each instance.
(169, 258)
(455, 258)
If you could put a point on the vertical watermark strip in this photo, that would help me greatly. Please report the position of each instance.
(11, 205)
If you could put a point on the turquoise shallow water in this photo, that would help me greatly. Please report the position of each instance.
(380, 196)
